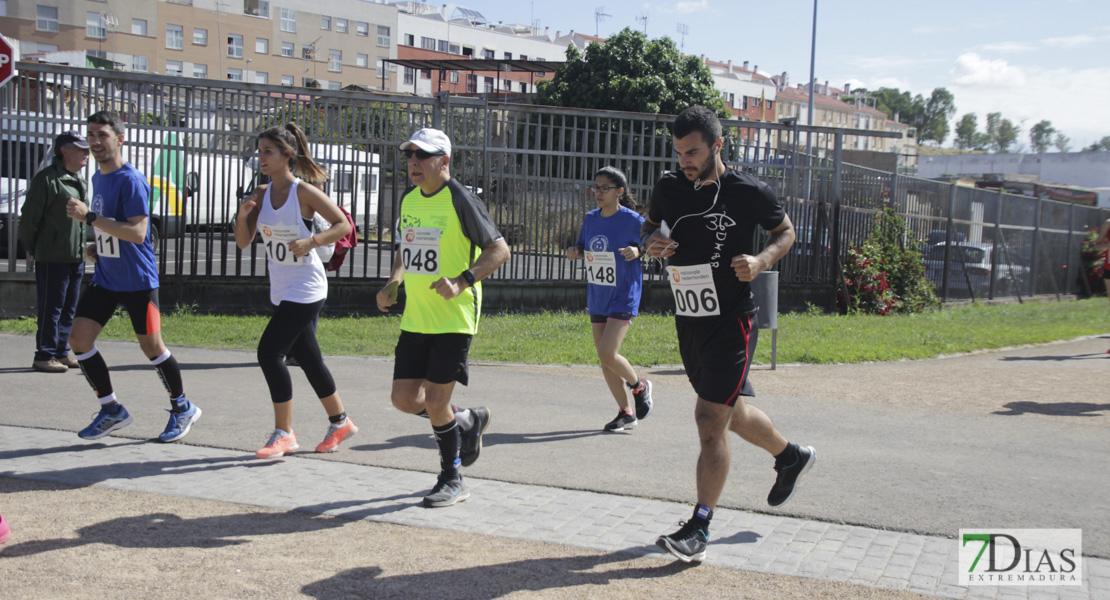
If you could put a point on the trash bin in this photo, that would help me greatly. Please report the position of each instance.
(765, 288)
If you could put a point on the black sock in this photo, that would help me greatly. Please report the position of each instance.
(338, 418)
(96, 372)
(702, 516)
(449, 442)
(170, 374)
(787, 457)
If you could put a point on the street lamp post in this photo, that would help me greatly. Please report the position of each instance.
(812, 78)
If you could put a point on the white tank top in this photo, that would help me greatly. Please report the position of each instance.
(304, 280)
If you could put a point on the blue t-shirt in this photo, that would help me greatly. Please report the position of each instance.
(609, 234)
(120, 195)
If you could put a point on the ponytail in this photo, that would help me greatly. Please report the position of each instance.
(627, 198)
(290, 139)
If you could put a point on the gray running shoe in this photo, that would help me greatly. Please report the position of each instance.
(687, 544)
(643, 401)
(472, 444)
(449, 490)
(623, 422)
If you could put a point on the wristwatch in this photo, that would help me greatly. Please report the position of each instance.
(90, 217)
(469, 277)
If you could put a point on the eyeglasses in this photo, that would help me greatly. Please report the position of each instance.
(420, 154)
(604, 189)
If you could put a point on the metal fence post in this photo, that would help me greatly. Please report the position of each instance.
(1036, 247)
(1073, 259)
(948, 240)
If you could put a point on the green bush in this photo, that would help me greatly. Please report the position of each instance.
(886, 274)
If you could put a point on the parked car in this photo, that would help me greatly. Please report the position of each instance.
(975, 259)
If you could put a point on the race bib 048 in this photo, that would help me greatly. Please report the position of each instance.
(420, 250)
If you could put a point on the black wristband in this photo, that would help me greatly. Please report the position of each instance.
(90, 217)
(469, 277)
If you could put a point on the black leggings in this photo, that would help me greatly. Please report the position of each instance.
(290, 332)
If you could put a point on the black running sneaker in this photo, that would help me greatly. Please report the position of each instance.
(623, 422)
(687, 544)
(787, 480)
(449, 489)
(643, 400)
(472, 444)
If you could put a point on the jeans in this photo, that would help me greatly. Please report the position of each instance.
(58, 285)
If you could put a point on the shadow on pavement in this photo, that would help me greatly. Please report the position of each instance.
(57, 449)
(1065, 409)
(492, 581)
(90, 475)
(1054, 358)
(186, 366)
(337, 508)
(425, 440)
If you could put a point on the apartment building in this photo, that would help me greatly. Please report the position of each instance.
(749, 95)
(320, 43)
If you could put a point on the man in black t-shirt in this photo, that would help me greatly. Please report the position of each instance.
(703, 220)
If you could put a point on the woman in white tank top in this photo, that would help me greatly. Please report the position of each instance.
(282, 213)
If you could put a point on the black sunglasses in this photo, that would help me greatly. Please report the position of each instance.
(420, 154)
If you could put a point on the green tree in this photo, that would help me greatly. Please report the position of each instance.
(967, 132)
(938, 109)
(631, 73)
(1007, 134)
(1062, 142)
(1102, 145)
(1040, 136)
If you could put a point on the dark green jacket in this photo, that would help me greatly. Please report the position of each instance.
(48, 233)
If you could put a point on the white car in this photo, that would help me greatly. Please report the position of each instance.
(974, 260)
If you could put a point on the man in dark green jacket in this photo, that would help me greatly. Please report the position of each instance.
(56, 245)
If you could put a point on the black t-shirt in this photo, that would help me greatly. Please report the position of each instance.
(724, 231)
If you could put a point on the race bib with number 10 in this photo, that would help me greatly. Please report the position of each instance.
(276, 239)
(694, 292)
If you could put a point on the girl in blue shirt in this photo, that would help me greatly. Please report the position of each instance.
(609, 245)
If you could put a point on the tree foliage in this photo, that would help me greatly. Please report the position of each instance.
(631, 73)
(929, 115)
(1001, 133)
(1102, 145)
(1062, 142)
(887, 274)
(938, 109)
(968, 136)
(1040, 136)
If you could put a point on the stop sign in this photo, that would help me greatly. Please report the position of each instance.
(7, 61)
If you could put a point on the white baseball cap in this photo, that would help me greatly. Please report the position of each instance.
(429, 140)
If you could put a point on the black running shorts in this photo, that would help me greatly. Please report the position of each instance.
(437, 357)
(717, 353)
(603, 319)
(99, 304)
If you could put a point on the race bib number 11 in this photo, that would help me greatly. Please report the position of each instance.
(694, 292)
(107, 246)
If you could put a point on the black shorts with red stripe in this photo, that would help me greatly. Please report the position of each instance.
(717, 353)
(99, 304)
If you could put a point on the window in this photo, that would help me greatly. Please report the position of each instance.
(335, 85)
(94, 26)
(523, 57)
(471, 83)
(382, 72)
(261, 77)
(138, 63)
(467, 51)
(306, 52)
(173, 67)
(341, 25)
(97, 53)
(200, 71)
(383, 36)
(410, 40)
(289, 20)
(489, 85)
(523, 87)
(261, 46)
(234, 74)
(410, 75)
(287, 49)
(454, 76)
(454, 49)
(508, 56)
(425, 73)
(541, 73)
(138, 26)
(362, 29)
(335, 60)
(443, 46)
(362, 60)
(488, 54)
(507, 85)
(287, 80)
(235, 45)
(428, 43)
(325, 22)
(175, 38)
(200, 37)
(47, 18)
(3, 8)
(257, 8)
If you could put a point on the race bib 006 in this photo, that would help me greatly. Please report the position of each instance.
(694, 292)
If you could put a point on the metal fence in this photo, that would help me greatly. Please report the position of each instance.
(530, 164)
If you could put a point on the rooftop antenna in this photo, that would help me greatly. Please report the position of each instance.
(599, 16)
(643, 19)
(683, 29)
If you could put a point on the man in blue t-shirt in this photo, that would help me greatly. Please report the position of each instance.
(126, 275)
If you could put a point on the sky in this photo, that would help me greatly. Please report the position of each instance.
(1030, 60)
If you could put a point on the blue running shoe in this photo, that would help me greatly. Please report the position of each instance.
(104, 423)
(180, 423)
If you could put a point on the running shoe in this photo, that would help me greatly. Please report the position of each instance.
(472, 444)
(5, 531)
(623, 422)
(336, 435)
(180, 423)
(687, 544)
(787, 480)
(449, 490)
(105, 423)
(643, 400)
(279, 445)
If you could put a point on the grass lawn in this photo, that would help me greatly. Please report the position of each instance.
(564, 337)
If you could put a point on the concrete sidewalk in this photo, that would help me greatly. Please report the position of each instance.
(507, 498)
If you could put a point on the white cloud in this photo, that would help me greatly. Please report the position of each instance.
(1008, 47)
(1073, 41)
(888, 63)
(688, 7)
(972, 70)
